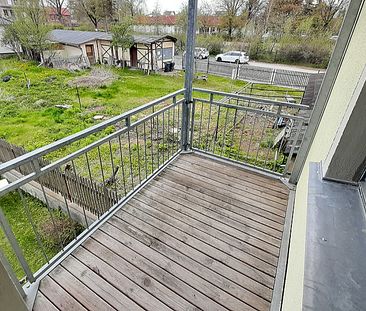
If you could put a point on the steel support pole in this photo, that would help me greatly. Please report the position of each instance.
(189, 68)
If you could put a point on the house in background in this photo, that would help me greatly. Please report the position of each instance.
(169, 24)
(52, 16)
(148, 52)
(4, 50)
(156, 24)
(6, 9)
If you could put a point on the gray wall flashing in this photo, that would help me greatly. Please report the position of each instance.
(335, 250)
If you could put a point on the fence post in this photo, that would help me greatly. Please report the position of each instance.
(208, 64)
(237, 71)
(191, 38)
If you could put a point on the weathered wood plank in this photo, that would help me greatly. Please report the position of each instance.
(187, 245)
(43, 304)
(220, 194)
(153, 268)
(213, 205)
(99, 286)
(215, 228)
(172, 273)
(202, 268)
(110, 269)
(245, 187)
(176, 196)
(259, 203)
(59, 297)
(260, 180)
(78, 290)
(231, 256)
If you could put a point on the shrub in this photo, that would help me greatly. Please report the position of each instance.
(62, 229)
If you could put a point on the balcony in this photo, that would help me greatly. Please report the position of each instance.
(178, 211)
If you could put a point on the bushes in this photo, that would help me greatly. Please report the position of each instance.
(60, 230)
(214, 44)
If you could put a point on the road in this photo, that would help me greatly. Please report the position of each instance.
(178, 65)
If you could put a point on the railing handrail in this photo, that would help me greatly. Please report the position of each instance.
(257, 111)
(43, 170)
(252, 99)
(4, 167)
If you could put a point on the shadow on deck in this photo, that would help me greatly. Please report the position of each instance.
(203, 235)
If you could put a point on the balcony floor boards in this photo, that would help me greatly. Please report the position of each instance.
(203, 235)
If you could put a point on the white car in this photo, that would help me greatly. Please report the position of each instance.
(201, 53)
(233, 57)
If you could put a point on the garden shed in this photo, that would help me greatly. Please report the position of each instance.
(92, 47)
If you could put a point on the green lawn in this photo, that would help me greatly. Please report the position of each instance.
(29, 118)
(18, 217)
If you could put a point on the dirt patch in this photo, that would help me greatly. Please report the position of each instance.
(97, 78)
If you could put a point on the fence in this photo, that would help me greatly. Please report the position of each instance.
(114, 165)
(280, 77)
(91, 195)
(246, 129)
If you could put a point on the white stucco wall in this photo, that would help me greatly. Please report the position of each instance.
(4, 49)
(346, 82)
(65, 52)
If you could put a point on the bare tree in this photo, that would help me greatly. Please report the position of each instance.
(328, 9)
(30, 28)
(58, 6)
(206, 11)
(94, 10)
(130, 7)
(231, 9)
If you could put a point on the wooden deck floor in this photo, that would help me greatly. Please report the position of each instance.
(201, 236)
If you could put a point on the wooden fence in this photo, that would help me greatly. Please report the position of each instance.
(92, 196)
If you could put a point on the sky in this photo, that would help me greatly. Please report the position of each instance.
(165, 5)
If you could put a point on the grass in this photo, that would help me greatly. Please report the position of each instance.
(15, 212)
(29, 118)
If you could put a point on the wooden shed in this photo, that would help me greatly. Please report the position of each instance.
(147, 52)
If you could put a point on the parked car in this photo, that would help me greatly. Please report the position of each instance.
(233, 57)
(199, 53)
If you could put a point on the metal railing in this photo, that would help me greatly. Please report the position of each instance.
(248, 130)
(119, 155)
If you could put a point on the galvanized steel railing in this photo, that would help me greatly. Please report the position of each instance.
(119, 155)
(254, 131)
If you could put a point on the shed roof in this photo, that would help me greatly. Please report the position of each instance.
(76, 37)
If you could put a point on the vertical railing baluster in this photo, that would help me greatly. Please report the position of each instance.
(152, 144)
(251, 135)
(242, 134)
(209, 121)
(216, 130)
(130, 157)
(34, 228)
(157, 140)
(82, 205)
(268, 147)
(138, 153)
(122, 164)
(191, 132)
(224, 134)
(260, 140)
(200, 127)
(163, 136)
(113, 176)
(145, 149)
